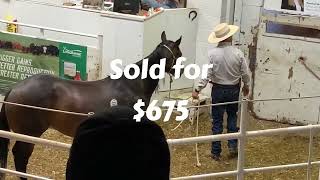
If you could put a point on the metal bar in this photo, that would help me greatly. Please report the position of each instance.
(203, 139)
(217, 104)
(255, 100)
(171, 151)
(42, 32)
(319, 174)
(271, 168)
(284, 99)
(211, 138)
(21, 174)
(242, 140)
(33, 140)
(289, 130)
(47, 109)
(250, 170)
(220, 137)
(50, 29)
(203, 176)
(100, 46)
(310, 154)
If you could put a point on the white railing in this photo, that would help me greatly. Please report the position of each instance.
(241, 136)
(42, 29)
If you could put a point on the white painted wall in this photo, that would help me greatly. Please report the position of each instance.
(209, 16)
(119, 42)
(129, 39)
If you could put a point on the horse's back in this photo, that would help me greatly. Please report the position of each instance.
(33, 88)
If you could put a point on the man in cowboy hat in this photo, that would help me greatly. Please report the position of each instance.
(229, 67)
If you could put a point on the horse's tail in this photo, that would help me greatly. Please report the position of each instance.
(4, 143)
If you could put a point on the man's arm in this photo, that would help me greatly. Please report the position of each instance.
(203, 82)
(244, 69)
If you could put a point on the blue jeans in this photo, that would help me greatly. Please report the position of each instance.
(221, 94)
(166, 5)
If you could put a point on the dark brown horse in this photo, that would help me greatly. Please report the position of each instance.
(51, 92)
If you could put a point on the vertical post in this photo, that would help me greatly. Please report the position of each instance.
(170, 151)
(100, 47)
(102, 5)
(242, 139)
(42, 32)
(310, 154)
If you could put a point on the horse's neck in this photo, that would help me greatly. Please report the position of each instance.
(150, 84)
(142, 86)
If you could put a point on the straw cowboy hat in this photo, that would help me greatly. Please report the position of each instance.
(222, 32)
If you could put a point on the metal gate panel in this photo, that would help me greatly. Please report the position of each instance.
(281, 73)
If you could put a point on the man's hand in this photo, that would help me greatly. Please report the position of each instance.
(195, 95)
(245, 90)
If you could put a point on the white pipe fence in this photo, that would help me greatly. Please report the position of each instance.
(242, 136)
(20, 174)
(33, 140)
(42, 28)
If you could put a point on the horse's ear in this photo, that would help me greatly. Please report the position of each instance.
(178, 42)
(163, 36)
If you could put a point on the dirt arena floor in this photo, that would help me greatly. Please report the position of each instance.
(262, 151)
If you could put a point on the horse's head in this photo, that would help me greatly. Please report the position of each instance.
(170, 51)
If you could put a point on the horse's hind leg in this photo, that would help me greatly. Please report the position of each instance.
(22, 152)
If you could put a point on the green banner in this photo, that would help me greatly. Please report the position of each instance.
(21, 57)
(73, 61)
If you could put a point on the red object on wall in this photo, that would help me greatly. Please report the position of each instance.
(77, 77)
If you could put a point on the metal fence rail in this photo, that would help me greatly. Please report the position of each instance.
(20, 174)
(33, 140)
(242, 136)
(42, 28)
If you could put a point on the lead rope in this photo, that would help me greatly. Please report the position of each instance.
(197, 109)
(170, 86)
(197, 134)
